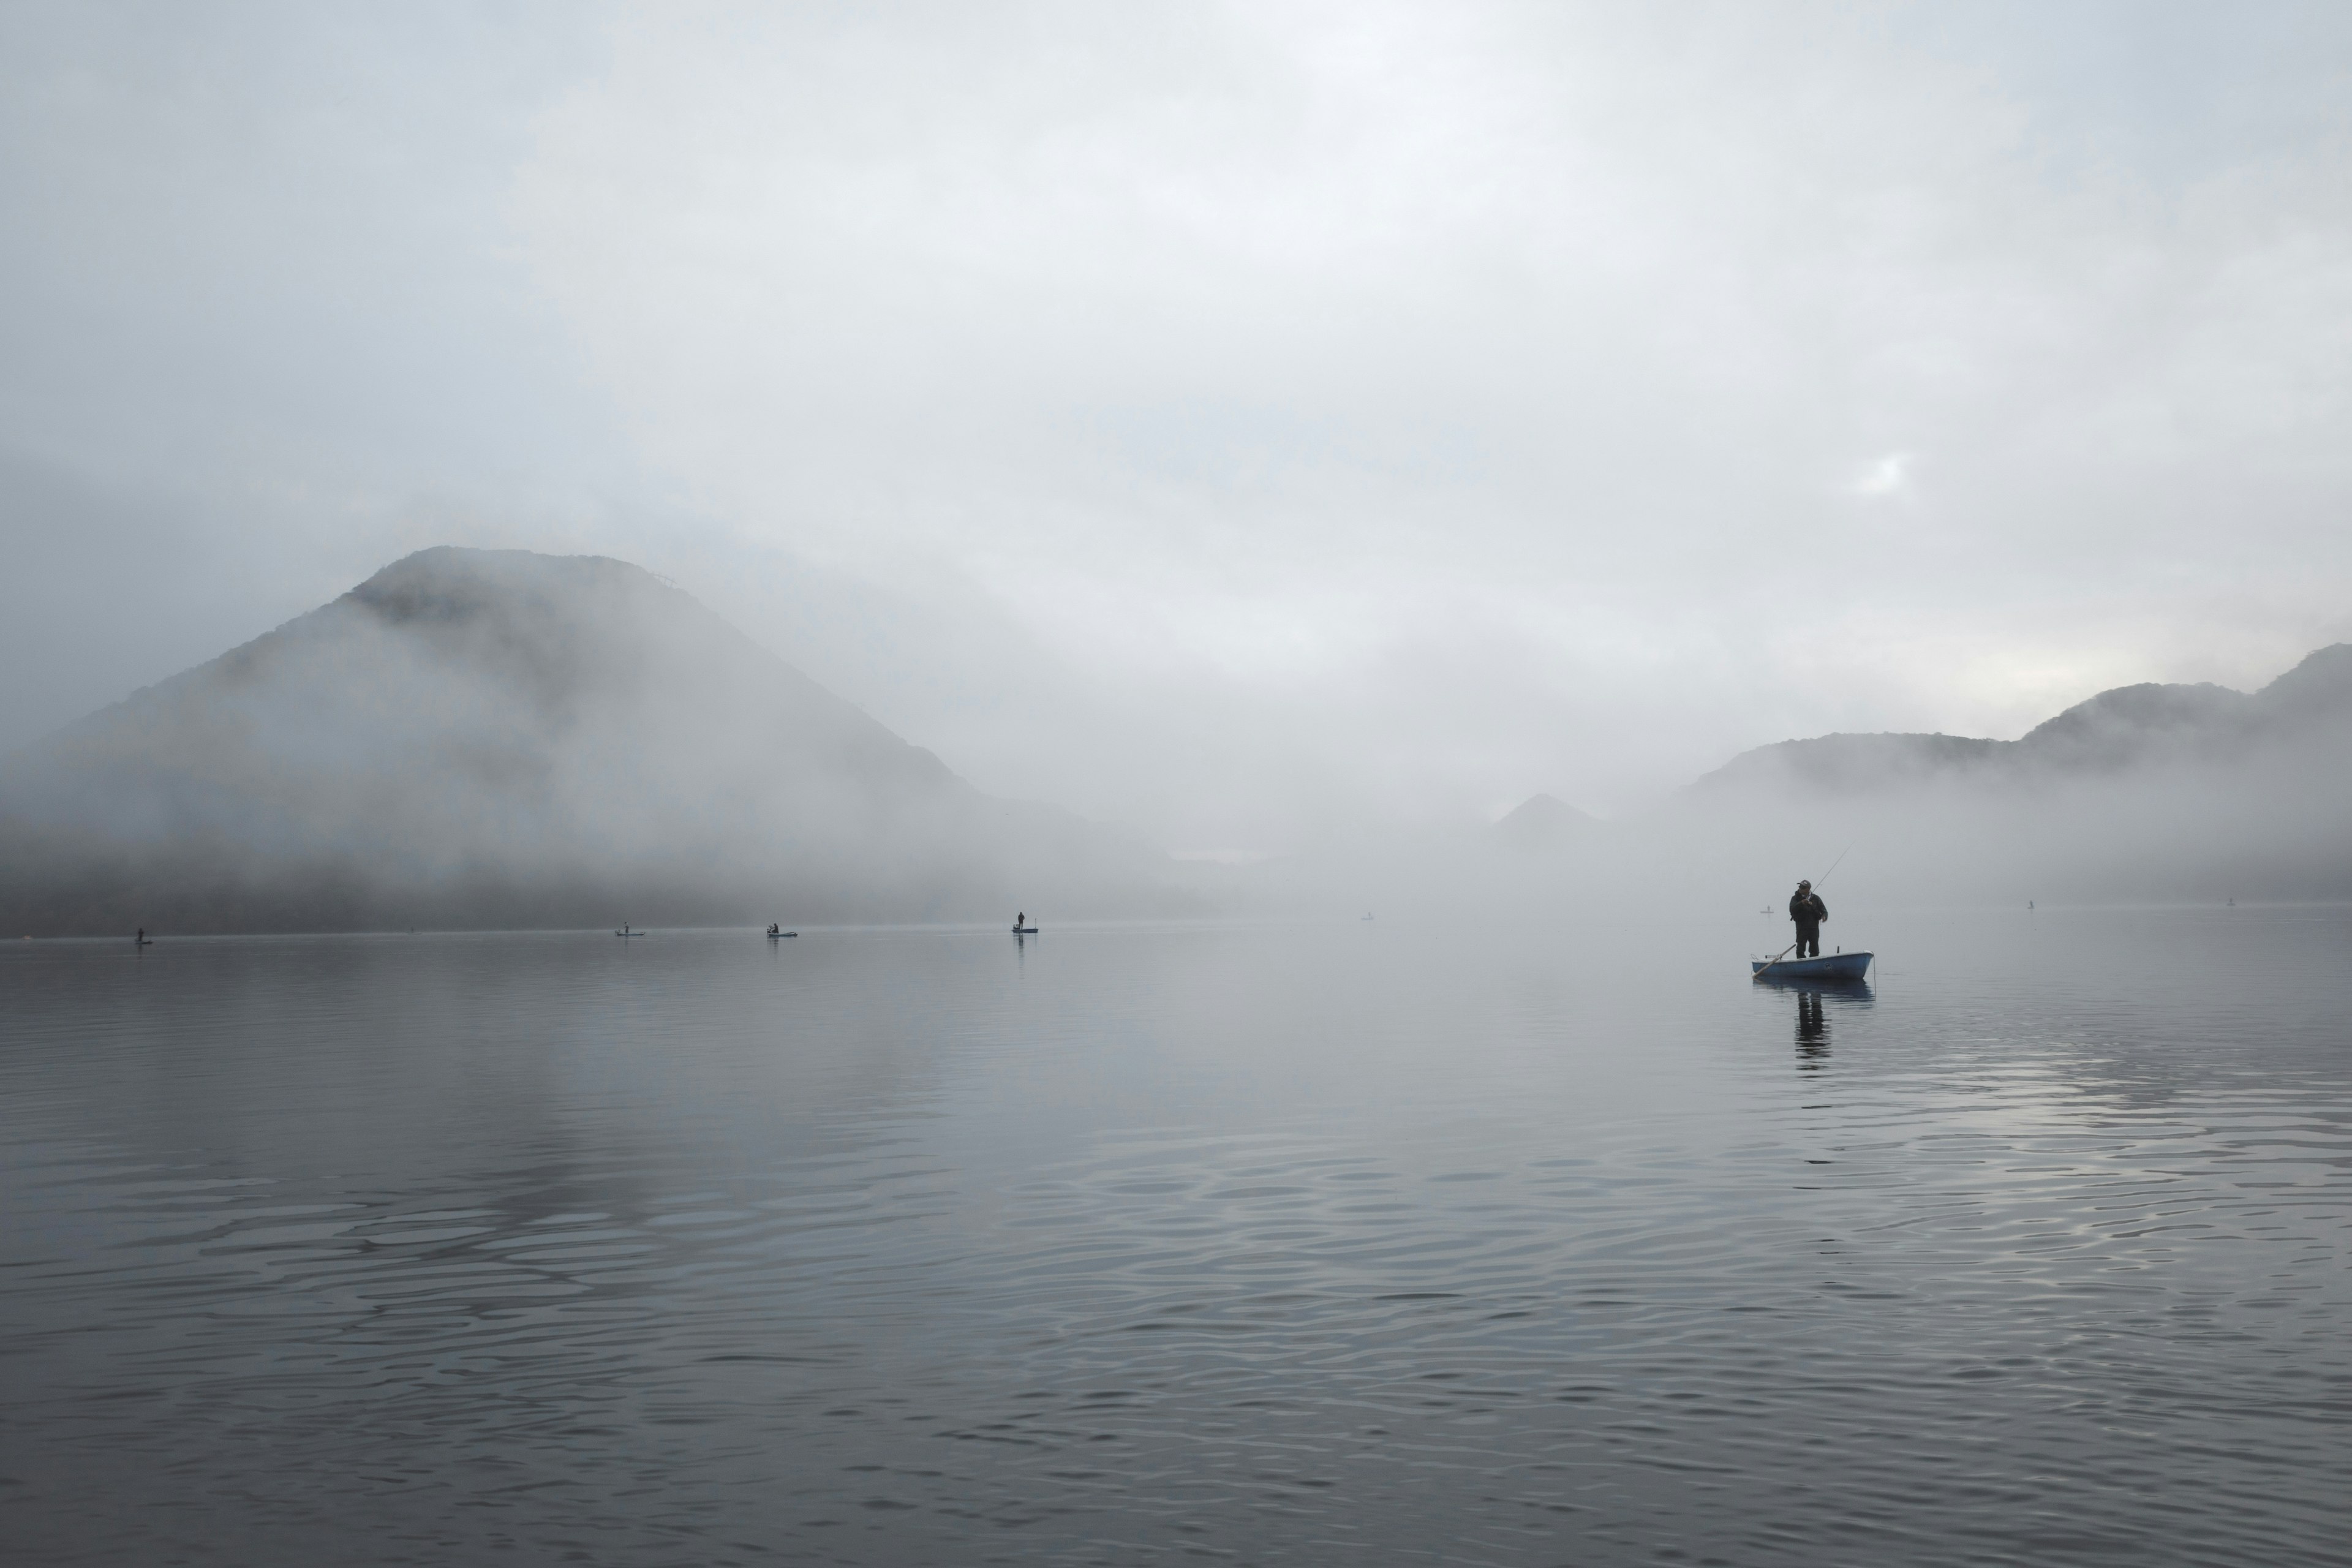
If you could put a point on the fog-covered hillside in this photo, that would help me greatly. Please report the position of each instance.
(493, 738)
(2302, 716)
(476, 737)
(2142, 792)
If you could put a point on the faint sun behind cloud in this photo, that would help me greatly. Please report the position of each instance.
(1883, 477)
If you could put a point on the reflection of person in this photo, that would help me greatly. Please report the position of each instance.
(1805, 908)
(1812, 1029)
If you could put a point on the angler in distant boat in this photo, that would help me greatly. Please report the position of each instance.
(1805, 908)
(1020, 926)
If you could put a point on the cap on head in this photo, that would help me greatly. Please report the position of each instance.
(1802, 883)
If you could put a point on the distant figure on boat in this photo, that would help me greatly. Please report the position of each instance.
(774, 929)
(1805, 908)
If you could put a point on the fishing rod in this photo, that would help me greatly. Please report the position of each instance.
(1793, 946)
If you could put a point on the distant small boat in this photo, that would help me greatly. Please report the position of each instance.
(1024, 931)
(1836, 966)
(775, 935)
(627, 932)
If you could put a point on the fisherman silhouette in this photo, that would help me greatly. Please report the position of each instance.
(1805, 908)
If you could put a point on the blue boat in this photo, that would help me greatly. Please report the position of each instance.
(1836, 966)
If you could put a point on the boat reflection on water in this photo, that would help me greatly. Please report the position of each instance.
(1816, 1002)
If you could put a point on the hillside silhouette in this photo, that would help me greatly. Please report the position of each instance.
(2145, 792)
(496, 738)
(2305, 714)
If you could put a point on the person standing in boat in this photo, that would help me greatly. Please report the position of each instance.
(1805, 908)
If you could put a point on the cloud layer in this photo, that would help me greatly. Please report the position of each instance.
(1242, 419)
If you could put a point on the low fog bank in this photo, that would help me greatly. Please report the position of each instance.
(2247, 836)
(478, 739)
(2145, 794)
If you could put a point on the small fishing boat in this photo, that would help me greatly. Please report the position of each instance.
(1024, 931)
(1835, 966)
(625, 930)
(776, 933)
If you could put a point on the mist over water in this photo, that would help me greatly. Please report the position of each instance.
(1434, 517)
(499, 739)
(1389, 1240)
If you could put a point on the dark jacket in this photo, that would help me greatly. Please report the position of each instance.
(1807, 909)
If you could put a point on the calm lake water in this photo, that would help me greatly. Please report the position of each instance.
(1353, 1244)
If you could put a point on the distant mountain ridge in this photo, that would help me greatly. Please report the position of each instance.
(496, 737)
(1543, 822)
(2121, 730)
(485, 737)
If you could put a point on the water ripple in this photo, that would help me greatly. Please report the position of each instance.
(1271, 1244)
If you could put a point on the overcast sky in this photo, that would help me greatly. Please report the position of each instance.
(1237, 421)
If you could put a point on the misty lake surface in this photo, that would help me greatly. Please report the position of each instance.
(1281, 1243)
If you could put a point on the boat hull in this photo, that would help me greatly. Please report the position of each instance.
(1836, 966)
